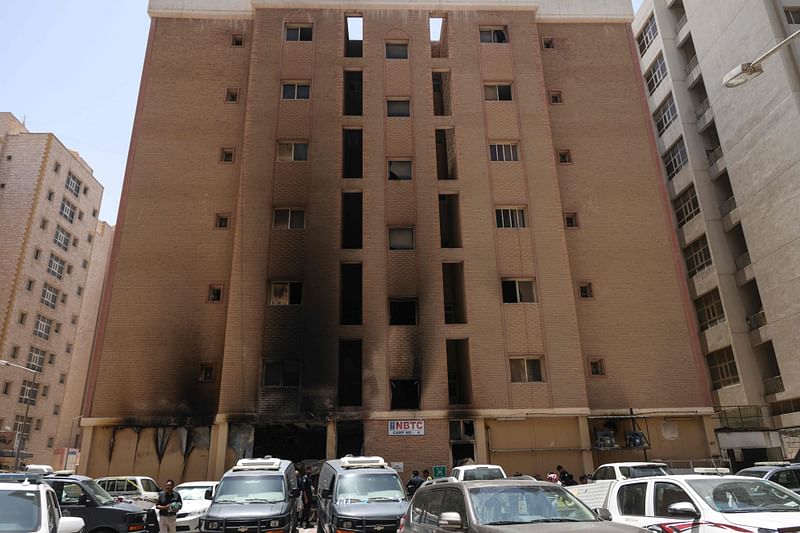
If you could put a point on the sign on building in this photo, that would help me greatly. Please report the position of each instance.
(397, 466)
(439, 471)
(406, 427)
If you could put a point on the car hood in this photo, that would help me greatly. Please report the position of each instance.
(564, 527)
(129, 507)
(236, 511)
(192, 506)
(372, 510)
(765, 520)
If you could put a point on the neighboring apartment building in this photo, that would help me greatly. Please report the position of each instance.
(49, 203)
(732, 166)
(341, 232)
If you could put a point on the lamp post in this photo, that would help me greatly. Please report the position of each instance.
(18, 444)
(747, 71)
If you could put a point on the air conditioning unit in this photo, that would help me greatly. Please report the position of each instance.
(605, 439)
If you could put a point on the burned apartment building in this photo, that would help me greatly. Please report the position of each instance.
(421, 230)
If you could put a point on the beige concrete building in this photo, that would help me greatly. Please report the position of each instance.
(342, 232)
(733, 167)
(49, 203)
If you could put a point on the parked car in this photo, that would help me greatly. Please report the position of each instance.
(195, 504)
(704, 503)
(474, 472)
(29, 506)
(139, 490)
(264, 495)
(359, 494)
(618, 471)
(785, 474)
(81, 496)
(499, 506)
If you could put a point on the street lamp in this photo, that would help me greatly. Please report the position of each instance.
(747, 71)
(18, 444)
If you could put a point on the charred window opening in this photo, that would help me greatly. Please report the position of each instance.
(350, 294)
(442, 105)
(350, 373)
(351, 220)
(397, 50)
(403, 312)
(281, 374)
(459, 383)
(400, 170)
(405, 393)
(352, 154)
(455, 308)
(398, 108)
(353, 92)
(354, 40)
(449, 221)
(401, 238)
(438, 36)
(349, 438)
(446, 154)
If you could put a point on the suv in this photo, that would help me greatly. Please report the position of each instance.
(138, 490)
(359, 494)
(475, 472)
(264, 495)
(782, 473)
(446, 505)
(82, 496)
(30, 506)
(618, 471)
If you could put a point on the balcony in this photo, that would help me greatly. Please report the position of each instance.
(681, 30)
(759, 328)
(716, 162)
(680, 181)
(715, 337)
(744, 269)
(704, 115)
(703, 282)
(693, 73)
(773, 385)
(730, 214)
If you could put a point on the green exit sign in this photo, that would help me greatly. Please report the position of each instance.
(439, 471)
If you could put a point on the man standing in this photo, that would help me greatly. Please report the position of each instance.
(413, 483)
(307, 493)
(169, 503)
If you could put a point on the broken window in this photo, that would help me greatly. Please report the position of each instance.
(455, 306)
(206, 373)
(525, 370)
(353, 92)
(518, 291)
(585, 290)
(459, 382)
(495, 35)
(350, 372)
(299, 33)
(289, 219)
(398, 108)
(352, 154)
(441, 94)
(281, 374)
(399, 170)
(497, 92)
(446, 154)
(354, 36)
(351, 220)
(215, 293)
(286, 293)
(403, 312)
(401, 238)
(438, 35)
(396, 50)
(350, 293)
(449, 221)
(405, 393)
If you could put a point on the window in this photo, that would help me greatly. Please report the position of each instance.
(68, 349)
(498, 35)
(73, 184)
(14, 351)
(437, 25)
(6, 388)
(792, 15)
(445, 154)
(675, 159)
(709, 310)
(42, 327)
(647, 35)
(787, 478)
(401, 238)
(686, 206)
(459, 382)
(62, 378)
(525, 370)
(286, 293)
(35, 359)
(503, 152)
(351, 220)
(556, 97)
(49, 296)
(28, 392)
(403, 312)
(455, 304)
(221, 220)
(398, 108)
(226, 155)
(50, 195)
(296, 91)
(585, 290)
(289, 219)
(237, 40)
(62, 238)
(29, 285)
(631, 499)
(665, 495)
(597, 367)
(518, 291)
(94, 212)
(548, 43)
(350, 373)
(206, 373)
(57, 167)
(89, 237)
(281, 374)
(510, 217)
(571, 220)
(22, 424)
(442, 96)
(396, 50)
(299, 33)
(405, 394)
(23, 317)
(36, 253)
(655, 74)
(564, 157)
(55, 267)
(215, 293)
(51, 359)
(45, 391)
(79, 290)
(449, 221)
(43, 224)
(665, 115)
(350, 291)
(231, 95)
(497, 92)
(292, 151)
(57, 327)
(67, 210)
(75, 242)
(399, 170)
(722, 368)
(56, 410)
(354, 36)
(698, 256)
(353, 92)
(50, 441)
(352, 153)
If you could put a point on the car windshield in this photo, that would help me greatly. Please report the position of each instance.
(364, 488)
(751, 473)
(195, 492)
(730, 495)
(20, 510)
(515, 504)
(148, 485)
(98, 492)
(632, 472)
(483, 474)
(251, 489)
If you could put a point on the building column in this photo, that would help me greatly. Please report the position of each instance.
(330, 440)
(86, 449)
(585, 444)
(481, 442)
(711, 436)
(217, 450)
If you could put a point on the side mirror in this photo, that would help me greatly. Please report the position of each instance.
(295, 492)
(209, 494)
(325, 494)
(70, 524)
(686, 509)
(602, 513)
(450, 521)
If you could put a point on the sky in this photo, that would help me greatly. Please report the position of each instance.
(72, 67)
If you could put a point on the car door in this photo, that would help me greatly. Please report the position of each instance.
(454, 503)
(432, 510)
(629, 504)
(664, 494)
(787, 478)
(416, 511)
(53, 513)
(73, 499)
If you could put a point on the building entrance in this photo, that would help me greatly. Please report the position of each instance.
(296, 442)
